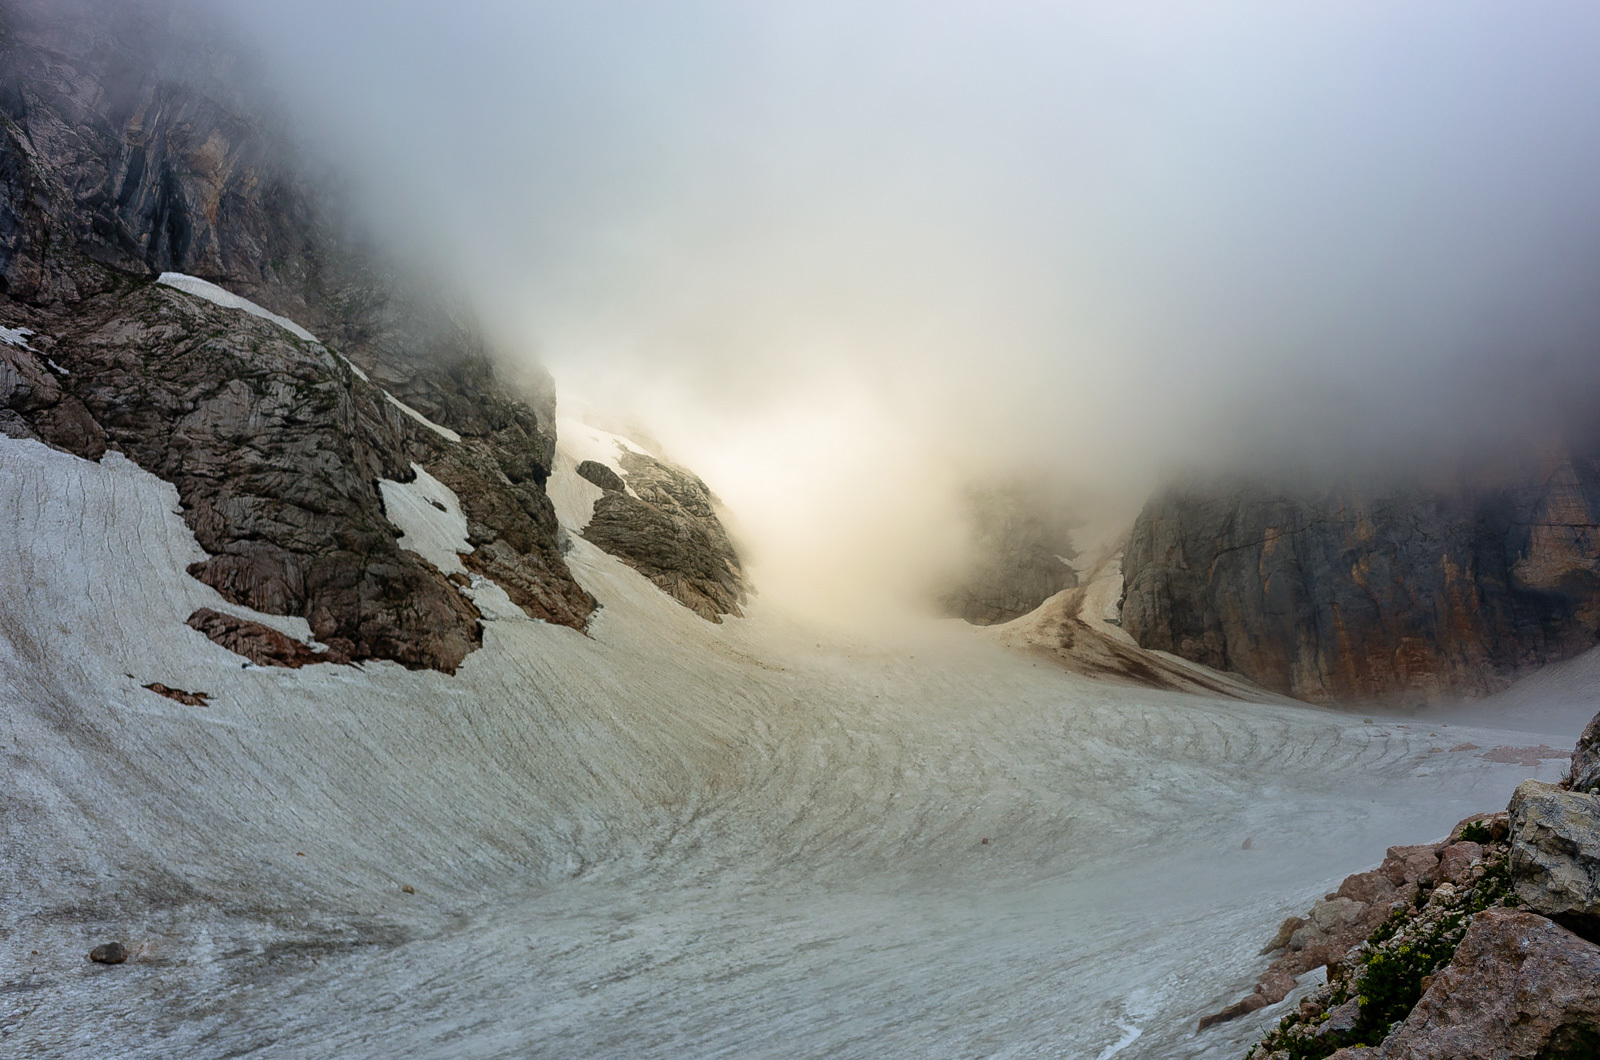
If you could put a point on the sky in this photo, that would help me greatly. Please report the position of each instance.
(841, 258)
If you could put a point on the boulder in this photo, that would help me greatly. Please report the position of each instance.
(1330, 919)
(1373, 888)
(1457, 858)
(109, 953)
(601, 476)
(1586, 758)
(1342, 1019)
(1413, 864)
(1286, 931)
(1519, 988)
(1555, 850)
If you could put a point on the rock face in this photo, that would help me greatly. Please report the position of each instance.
(1020, 556)
(131, 145)
(1586, 758)
(1555, 853)
(671, 534)
(1352, 594)
(1518, 988)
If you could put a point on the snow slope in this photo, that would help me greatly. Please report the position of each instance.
(666, 838)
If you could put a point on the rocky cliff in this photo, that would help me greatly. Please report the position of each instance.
(132, 144)
(1019, 555)
(1353, 593)
(662, 521)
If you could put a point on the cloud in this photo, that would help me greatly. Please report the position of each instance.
(906, 244)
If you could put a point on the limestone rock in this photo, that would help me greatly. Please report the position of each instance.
(261, 644)
(1414, 592)
(1341, 1019)
(600, 475)
(1555, 850)
(1286, 931)
(671, 533)
(178, 695)
(1519, 988)
(1457, 858)
(1585, 757)
(133, 144)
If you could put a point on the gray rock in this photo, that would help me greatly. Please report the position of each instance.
(109, 953)
(1341, 1019)
(1586, 758)
(601, 476)
(671, 534)
(1555, 851)
(1285, 932)
(1020, 546)
(133, 143)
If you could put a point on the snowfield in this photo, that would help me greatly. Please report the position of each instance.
(665, 838)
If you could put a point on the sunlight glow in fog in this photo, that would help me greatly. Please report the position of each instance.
(1117, 239)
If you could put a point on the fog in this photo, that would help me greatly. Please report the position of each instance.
(841, 258)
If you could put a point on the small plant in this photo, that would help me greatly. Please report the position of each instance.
(1385, 974)
(1476, 832)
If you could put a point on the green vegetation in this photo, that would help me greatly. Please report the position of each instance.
(1476, 832)
(1415, 942)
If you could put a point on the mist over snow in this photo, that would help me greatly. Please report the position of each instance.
(843, 258)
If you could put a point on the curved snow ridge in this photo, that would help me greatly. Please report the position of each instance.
(222, 296)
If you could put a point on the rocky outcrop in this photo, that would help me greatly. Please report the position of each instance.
(597, 473)
(1353, 594)
(668, 530)
(1555, 853)
(1491, 955)
(261, 644)
(1518, 988)
(1019, 556)
(1585, 775)
(132, 143)
(1342, 921)
(275, 449)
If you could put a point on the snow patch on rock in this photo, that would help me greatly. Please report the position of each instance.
(443, 432)
(16, 337)
(221, 296)
(429, 517)
(572, 494)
